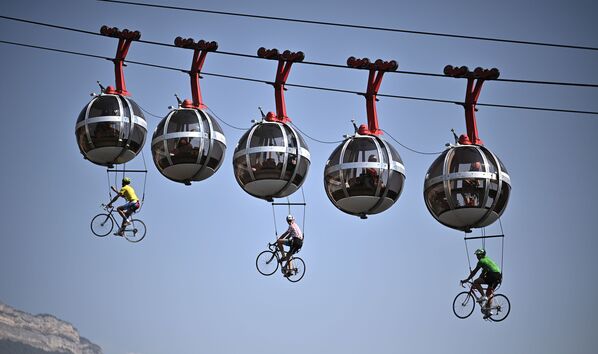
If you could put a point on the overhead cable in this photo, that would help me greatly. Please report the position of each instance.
(417, 73)
(321, 88)
(347, 25)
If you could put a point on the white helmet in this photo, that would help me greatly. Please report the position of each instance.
(290, 218)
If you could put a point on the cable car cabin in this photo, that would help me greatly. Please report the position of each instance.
(364, 175)
(271, 160)
(467, 187)
(110, 130)
(188, 145)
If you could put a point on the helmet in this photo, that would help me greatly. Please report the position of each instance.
(126, 180)
(290, 217)
(480, 252)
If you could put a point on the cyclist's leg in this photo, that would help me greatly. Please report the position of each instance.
(477, 284)
(122, 211)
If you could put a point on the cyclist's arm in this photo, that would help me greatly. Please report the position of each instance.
(113, 200)
(475, 270)
(283, 235)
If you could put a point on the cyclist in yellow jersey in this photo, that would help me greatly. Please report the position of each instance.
(128, 208)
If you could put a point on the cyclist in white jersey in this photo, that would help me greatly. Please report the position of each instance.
(293, 238)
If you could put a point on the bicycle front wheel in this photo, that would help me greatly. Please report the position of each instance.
(500, 308)
(267, 263)
(136, 231)
(101, 225)
(463, 305)
(297, 270)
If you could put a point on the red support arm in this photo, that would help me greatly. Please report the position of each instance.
(472, 93)
(377, 70)
(285, 61)
(125, 37)
(200, 50)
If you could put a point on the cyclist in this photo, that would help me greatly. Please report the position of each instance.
(293, 238)
(128, 208)
(491, 276)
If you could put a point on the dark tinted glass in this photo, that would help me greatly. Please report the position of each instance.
(437, 167)
(503, 199)
(395, 185)
(301, 172)
(334, 186)
(243, 142)
(137, 139)
(184, 120)
(335, 156)
(395, 154)
(160, 128)
(105, 134)
(136, 109)
(182, 150)
(267, 165)
(82, 141)
(361, 150)
(436, 199)
(241, 170)
(216, 155)
(82, 115)
(465, 159)
(160, 155)
(267, 135)
(104, 106)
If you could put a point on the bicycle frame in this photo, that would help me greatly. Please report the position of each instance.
(472, 293)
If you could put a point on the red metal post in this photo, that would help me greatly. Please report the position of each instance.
(377, 70)
(285, 61)
(125, 37)
(200, 50)
(475, 80)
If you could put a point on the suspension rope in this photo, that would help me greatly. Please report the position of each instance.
(502, 252)
(274, 215)
(144, 179)
(304, 207)
(467, 252)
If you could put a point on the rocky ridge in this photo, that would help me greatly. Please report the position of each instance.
(43, 332)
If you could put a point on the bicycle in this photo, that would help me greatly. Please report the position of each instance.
(267, 263)
(464, 304)
(103, 224)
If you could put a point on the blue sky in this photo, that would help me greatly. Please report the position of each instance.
(384, 284)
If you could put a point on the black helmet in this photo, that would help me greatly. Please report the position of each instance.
(480, 252)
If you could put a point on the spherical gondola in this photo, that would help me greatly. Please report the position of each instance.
(271, 160)
(111, 129)
(364, 175)
(188, 145)
(467, 187)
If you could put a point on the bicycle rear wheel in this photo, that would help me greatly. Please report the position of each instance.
(101, 225)
(266, 263)
(463, 305)
(500, 309)
(136, 231)
(297, 269)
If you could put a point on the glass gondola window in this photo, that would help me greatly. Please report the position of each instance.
(110, 130)
(364, 175)
(271, 160)
(464, 195)
(188, 145)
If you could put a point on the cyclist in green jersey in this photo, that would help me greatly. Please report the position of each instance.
(491, 275)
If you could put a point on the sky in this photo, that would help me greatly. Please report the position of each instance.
(383, 285)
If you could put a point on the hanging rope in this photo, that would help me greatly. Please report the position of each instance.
(467, 253)
(502, 252)
(304, 207)
(144, 181)
(274, 215)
